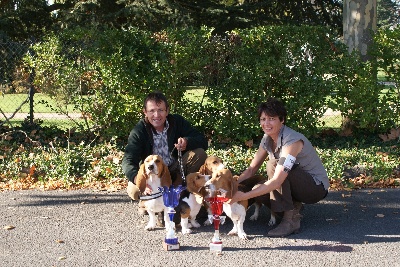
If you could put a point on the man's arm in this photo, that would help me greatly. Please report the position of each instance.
(132, 155)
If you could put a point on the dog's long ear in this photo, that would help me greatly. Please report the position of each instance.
(165, 176)
(141, 178)
(191, 184)
(234, 187)
(203, 169)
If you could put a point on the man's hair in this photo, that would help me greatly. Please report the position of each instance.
(157, 97)
(273, 107)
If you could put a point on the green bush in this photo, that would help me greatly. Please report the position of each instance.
(106, 75)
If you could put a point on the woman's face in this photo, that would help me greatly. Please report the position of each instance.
(156, 114)
(270, 125)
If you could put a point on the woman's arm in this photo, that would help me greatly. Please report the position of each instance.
(255, 164)
(276, 181)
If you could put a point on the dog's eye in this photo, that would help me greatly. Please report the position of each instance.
(157, 161)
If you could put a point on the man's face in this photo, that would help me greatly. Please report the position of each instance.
(156, 114)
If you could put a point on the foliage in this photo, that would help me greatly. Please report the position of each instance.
(25, 19)
(47, 158)
(229, 15)
(304, 66)
(387, 53)
(388, 13)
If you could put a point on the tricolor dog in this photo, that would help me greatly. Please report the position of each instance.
(153, 173)
(191, 201)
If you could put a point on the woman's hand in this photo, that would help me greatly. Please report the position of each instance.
(237, 197)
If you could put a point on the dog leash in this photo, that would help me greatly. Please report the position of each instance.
(152, 196)
(181, 167)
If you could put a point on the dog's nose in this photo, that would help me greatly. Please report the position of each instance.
(150, 167)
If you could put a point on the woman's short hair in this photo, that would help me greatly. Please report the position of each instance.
(273, 107)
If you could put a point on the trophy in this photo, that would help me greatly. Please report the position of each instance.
(171, 200)
(216, 204)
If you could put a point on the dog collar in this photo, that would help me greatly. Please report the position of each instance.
(152, 196)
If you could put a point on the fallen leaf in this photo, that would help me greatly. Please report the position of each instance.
(62, 258)
(380, 215)
(60, 241)
(249, 143)
(9, 227)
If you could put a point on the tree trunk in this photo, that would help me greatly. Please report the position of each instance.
(359, 24)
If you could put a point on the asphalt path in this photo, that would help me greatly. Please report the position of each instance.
(97, 228)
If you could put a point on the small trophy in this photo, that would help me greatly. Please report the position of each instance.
(171, 200)
(216, 204)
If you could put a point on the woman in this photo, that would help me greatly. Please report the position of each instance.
(295, 171)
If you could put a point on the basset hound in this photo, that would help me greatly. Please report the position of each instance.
(191, 201)
(224, 184)
(153, 173)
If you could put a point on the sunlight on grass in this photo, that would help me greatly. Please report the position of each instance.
(42, 103)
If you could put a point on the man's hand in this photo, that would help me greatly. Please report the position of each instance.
(148, 190)
(182, 143)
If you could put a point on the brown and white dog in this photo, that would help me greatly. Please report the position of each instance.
(192, 200)
(153, 173)
(223, 183)
(211, 165)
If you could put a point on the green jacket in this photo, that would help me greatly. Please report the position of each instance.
(140, 142)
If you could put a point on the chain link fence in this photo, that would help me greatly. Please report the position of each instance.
(19, 102)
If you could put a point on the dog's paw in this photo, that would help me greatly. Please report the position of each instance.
(254, 217)
(233, 232)
(186, 231)
(150, 227)
(243, 236)
(272, 221)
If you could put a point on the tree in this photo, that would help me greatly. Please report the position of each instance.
(229, 15)
(24, 19)
(388, 13)
(359, 24)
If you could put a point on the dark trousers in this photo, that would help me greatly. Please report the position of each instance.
(192, 160)
(298, 186)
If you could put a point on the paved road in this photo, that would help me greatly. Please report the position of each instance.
(88, 228)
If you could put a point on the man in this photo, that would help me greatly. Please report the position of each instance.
(163, 134)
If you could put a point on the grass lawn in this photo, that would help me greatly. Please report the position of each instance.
(43, 103)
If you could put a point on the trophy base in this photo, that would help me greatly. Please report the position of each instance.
(169, 247)
(216, 247)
